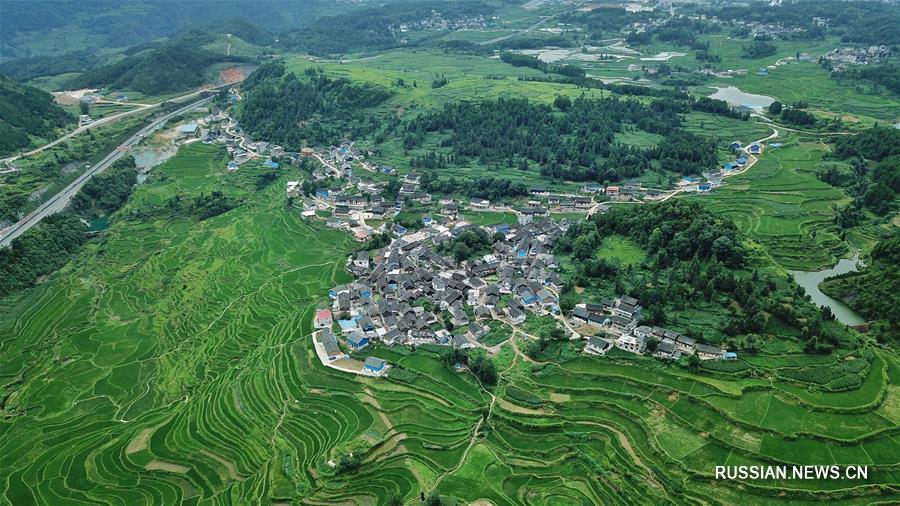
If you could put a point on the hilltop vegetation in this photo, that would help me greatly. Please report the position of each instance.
(174, 67)
(572, 140)
(278, 106)
(874, 291)
(113, 24)
(27, 113)
(874, 178)
(697, 259)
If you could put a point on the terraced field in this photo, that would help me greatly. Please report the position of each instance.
(171, 363)
(782, 204)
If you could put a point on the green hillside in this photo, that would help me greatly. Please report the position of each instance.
(26, 113)
(174, 67)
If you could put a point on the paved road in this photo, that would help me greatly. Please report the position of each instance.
(59, 201)
(519, 32)
(105, 120)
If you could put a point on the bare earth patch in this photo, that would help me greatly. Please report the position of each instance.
(140, 441)
(558, 397)
(229, 465)
(231, 75)
(159, 465)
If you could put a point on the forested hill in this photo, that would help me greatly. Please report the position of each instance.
(174, 67)
(698, 269)
(572, 140)
(874, 291)
(106, 24)
(277, 106)
(26, 112)
(374, 28)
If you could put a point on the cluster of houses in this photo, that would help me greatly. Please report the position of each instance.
(567, 202)
(436, 21)
(621, 317)
(410, 293)
(842, 57)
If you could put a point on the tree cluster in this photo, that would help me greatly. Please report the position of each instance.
(481, 366)
(874, 180)
(278, 106)
(572, 140)
(758, 49)
(482, 187)
(26, 112)
(108, 191)
(472, 243)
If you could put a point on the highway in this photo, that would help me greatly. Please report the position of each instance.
(518, 32)
(108, 119)
(59, 201)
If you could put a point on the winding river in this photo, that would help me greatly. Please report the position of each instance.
(810, 282)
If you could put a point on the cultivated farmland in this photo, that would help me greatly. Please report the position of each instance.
(171, 362)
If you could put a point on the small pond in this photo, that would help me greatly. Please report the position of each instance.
(736, 97)
(146, 158)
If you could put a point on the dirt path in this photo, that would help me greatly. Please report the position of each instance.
(474, 438)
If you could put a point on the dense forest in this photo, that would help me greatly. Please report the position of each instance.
(24, 69)
(482, 187)
(758, 49)
(41, 250)
(278, 105)
(887, 76)
(178, 66)
(573, 140)
(874, 291)
(106, 192)
(696, 257)
(679, 31)
(27, 112)
(106, 24)
(874, 176)
(472, 243)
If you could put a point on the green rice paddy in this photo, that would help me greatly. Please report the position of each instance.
(782, 204)
(171, 363)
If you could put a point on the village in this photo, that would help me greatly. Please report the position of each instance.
(412, 291)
